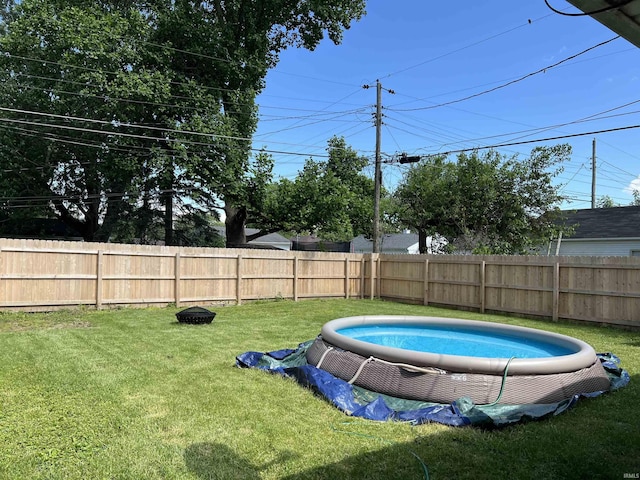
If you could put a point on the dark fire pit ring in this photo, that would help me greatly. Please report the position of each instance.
(195, 316)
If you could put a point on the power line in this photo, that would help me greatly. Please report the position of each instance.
(519, 79)
(634, 175)
(337, 118)
(241, 63)
(144, 137)
(445, 135)
(103, 72)
(123, 134)
(106, 97)
(583, 14)
(524, 142)
(622, 151)
(505, 79)
(322, 110)
(532, 131)
(73, 141)
(529, 22)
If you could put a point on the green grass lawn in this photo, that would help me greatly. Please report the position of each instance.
(132, 394)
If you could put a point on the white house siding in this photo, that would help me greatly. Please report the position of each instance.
(275, 244)
(598, 247)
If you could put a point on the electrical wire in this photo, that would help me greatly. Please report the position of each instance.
(106, 97)
(532, 131)
(524, 142)
(337, 118)
(504, 85)
(114, 124)
(73, 141)
(423, 99)
(179, 141)
(571, 179)
(437, 134)
(322, 110)
(144, 137)
(635, 175)
(103, 72)
(594, 12)
(529, 22)
(241, 63)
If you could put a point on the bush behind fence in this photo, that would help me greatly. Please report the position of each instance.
(46, 275)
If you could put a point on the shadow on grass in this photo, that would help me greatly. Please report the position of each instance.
(597, 439)
(633, 342)
(217, 461)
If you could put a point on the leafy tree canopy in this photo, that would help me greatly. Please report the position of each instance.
(330, 198)
(606, 202)
(114, 108)
(483, 203)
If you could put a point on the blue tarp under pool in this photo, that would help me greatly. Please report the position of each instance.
(358, 402)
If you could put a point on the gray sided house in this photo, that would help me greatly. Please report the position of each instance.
(389, 243)
(270, 240)
(404, 243)
(611, 231)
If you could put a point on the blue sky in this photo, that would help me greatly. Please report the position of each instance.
(430, 53)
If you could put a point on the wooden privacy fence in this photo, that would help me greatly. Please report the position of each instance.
(41, 275)
(597, 289)
(44, 275)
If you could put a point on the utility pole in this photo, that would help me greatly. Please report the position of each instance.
(593, 174)
(377, 181)
(378, 171)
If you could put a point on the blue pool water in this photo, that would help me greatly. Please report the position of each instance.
(455, 341)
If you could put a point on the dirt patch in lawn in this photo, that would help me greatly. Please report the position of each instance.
(23, 325)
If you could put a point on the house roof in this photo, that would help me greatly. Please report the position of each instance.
(270, 238)
(624, 20)
(399, 241)
(390, 241)
(614, 222)
(360, 243)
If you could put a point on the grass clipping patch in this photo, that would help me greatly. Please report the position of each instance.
(21, 322)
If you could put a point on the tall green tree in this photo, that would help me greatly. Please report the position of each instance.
(483, 203)
(81, 77)
(606, 201)
(331, 198)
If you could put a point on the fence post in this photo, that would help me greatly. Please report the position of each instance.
(425, 298)
(239, 280)
(556, 291)
(362, 276)
(379, 276)
(99, 280)
(2, 282)
(177, 279)
(295, 278)
(483, 285)
(372, 278)
(346, 277)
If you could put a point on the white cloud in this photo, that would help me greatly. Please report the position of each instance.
(633, 185)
